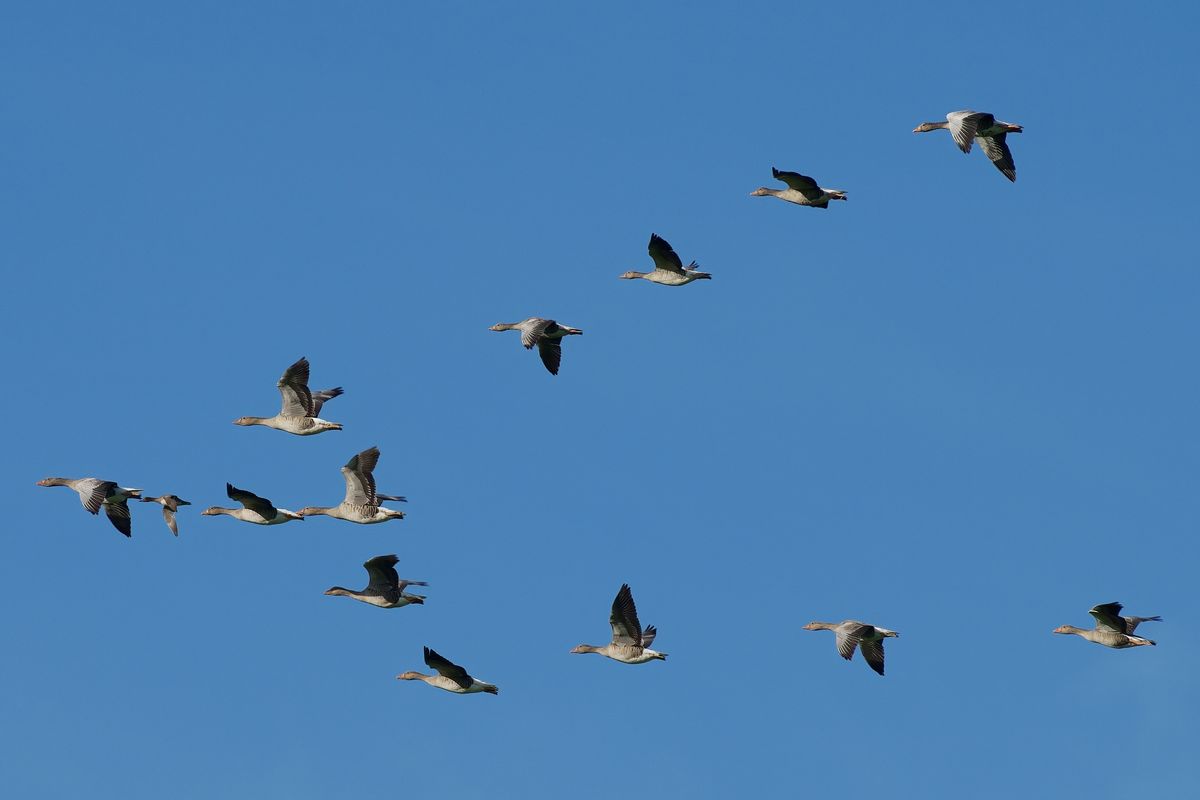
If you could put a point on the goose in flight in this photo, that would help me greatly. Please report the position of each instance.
(362, 502)
(301, 411)
(385, 588)
(94, 493)
(170, 504)
(545, 333)
(254, 509)
(851, 634)
(668, 266)
(802, 190)
(977, 126)
(630, 644)
(450, 676)
(1112, 629)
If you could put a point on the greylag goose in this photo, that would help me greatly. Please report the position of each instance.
(301, 410)
(545, 333)
(802, 190)
(362, 503)
(94, 493)
(668, 266)
(1112, 629)
(450, 676)
(254, 509)
(170, 504)
(385, 589)
(630, 644)
(977, 126)
(851, 634)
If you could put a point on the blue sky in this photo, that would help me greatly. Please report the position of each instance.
(953, 406)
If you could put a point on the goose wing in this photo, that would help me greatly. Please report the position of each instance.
(801, 183)
(169, 516)
(665, 257)
(996, 149)
(297, 399)
(92, 492)
(118, 515)
(319, 398)
(447, 669)
(534, 329)
(251, 501)
(626, 629)
(1108, 616)
(648, 636)
(551, 352)
(849, 636)
(872, 650)
(964, 124)
(382, 570)
(360, 482)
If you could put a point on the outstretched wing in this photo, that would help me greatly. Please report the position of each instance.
(1108, 616)
(169, 516)
(849, 637)
(626, 629)
(251, 501)
(551, 352)
(118, 515)
(448, 669)
(92, 493)
(360, 482)
(964, 124)
(665, 257)
(872, 650)
(297, 399)
(319, 398)
(801, 183)
(382, 570)
(648, 636)
(996, 149)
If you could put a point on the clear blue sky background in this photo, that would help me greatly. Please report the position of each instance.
(956, 407)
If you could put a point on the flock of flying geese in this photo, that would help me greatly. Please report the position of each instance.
(362, 504)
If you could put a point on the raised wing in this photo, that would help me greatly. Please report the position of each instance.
(665, 257)
(872, 650)
(626, 629)
(259, 505)
(801, 183)
(360, 482)
(964, 124)
(118, 515)
(1108, 616)
(648, 636)
(382, 570)
(297, 399)
(996, 149)
(319, 398)
(448, 669)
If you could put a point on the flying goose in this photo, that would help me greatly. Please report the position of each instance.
(630, 644)
(94, 493)
(362, 503)
(668, 266)
(977, 126)
(852, 633)
(301, 407)
(254, 509)
(170, 504)
(802, 190)
(450, 677)
(385, 589)
(1112, 629)
(545, 333)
